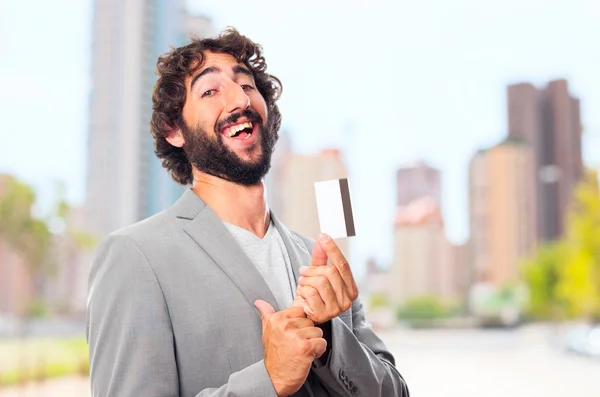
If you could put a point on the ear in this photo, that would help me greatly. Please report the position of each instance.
(175, 138)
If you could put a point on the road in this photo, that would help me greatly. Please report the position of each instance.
(452, 363)
(490, 363)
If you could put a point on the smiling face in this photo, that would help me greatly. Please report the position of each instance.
(224, 129)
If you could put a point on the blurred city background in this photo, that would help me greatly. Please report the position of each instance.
(469, 131)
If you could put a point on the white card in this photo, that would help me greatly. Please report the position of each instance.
(334, 208)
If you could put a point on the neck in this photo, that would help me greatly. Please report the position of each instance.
(242, 206)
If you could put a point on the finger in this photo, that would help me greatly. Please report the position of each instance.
(325, 289)
(300, 302)
(297, 301)
(300, 323)
(317, 310)
(306, 310)
(334, 277)
(339, 261)
(319, 346)
(310, 332)
(294, 311)
(319, 257)
(265, 309)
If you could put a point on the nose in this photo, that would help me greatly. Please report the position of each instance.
(237, 100)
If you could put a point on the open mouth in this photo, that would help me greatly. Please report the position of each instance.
(239, 131)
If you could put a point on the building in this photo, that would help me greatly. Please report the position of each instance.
(424, 260)
(548, 120)
(292, 186)
(417, 181)
(125, 182)
(66, 286)
(461, 276)
(17, 286)
(502, 211)
(376, 281)
(17, 283)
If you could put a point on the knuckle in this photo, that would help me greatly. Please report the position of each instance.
(304, 347)
(344, 265)
(285, 324)
(311, 292)
(323, 282)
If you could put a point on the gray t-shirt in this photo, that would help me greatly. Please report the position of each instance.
(271, 258)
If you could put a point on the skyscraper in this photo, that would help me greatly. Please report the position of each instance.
(502, 211)
(548, 120)
(417, 181)
(125, 182)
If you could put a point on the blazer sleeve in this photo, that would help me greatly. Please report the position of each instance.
(130, 336)
(359, 363)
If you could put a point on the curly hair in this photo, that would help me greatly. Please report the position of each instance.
(169, 94)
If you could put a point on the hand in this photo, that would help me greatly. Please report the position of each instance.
(291, 343)
(326, 291)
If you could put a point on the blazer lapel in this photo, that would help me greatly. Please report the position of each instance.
(297, 251)
(214, 238)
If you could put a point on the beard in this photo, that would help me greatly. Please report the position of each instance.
(209, 154)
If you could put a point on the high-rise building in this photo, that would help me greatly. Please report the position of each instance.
(417, 181)
(548, 120)
(461, 270)
(424, 260)
(502, 211)
(125, 182)
(293, 186)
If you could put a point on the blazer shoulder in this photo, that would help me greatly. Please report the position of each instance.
(146, 231)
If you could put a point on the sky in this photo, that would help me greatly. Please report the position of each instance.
(389, 82)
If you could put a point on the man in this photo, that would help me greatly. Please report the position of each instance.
(215, 296)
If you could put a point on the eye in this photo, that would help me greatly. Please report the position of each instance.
(246, 87)
(208, 93)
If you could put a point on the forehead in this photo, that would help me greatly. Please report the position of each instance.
(224, 62)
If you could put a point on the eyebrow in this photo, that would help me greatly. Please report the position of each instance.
(237, 69)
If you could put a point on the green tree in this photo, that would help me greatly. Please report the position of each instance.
(563, 277)
(24, 233)
(541, 275)
(422, 309)
(579, 280)
(378, 300)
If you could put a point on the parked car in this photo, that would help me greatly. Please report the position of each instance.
(583, 339)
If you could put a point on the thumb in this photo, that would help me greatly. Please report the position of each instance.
(265, 309)
(319, 257)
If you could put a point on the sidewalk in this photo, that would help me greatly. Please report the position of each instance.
(63, 387)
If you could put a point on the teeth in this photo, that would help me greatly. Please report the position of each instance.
(236, 128)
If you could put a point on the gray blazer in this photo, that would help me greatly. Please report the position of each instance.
(170, 312)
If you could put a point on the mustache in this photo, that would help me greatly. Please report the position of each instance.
(249, 114)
